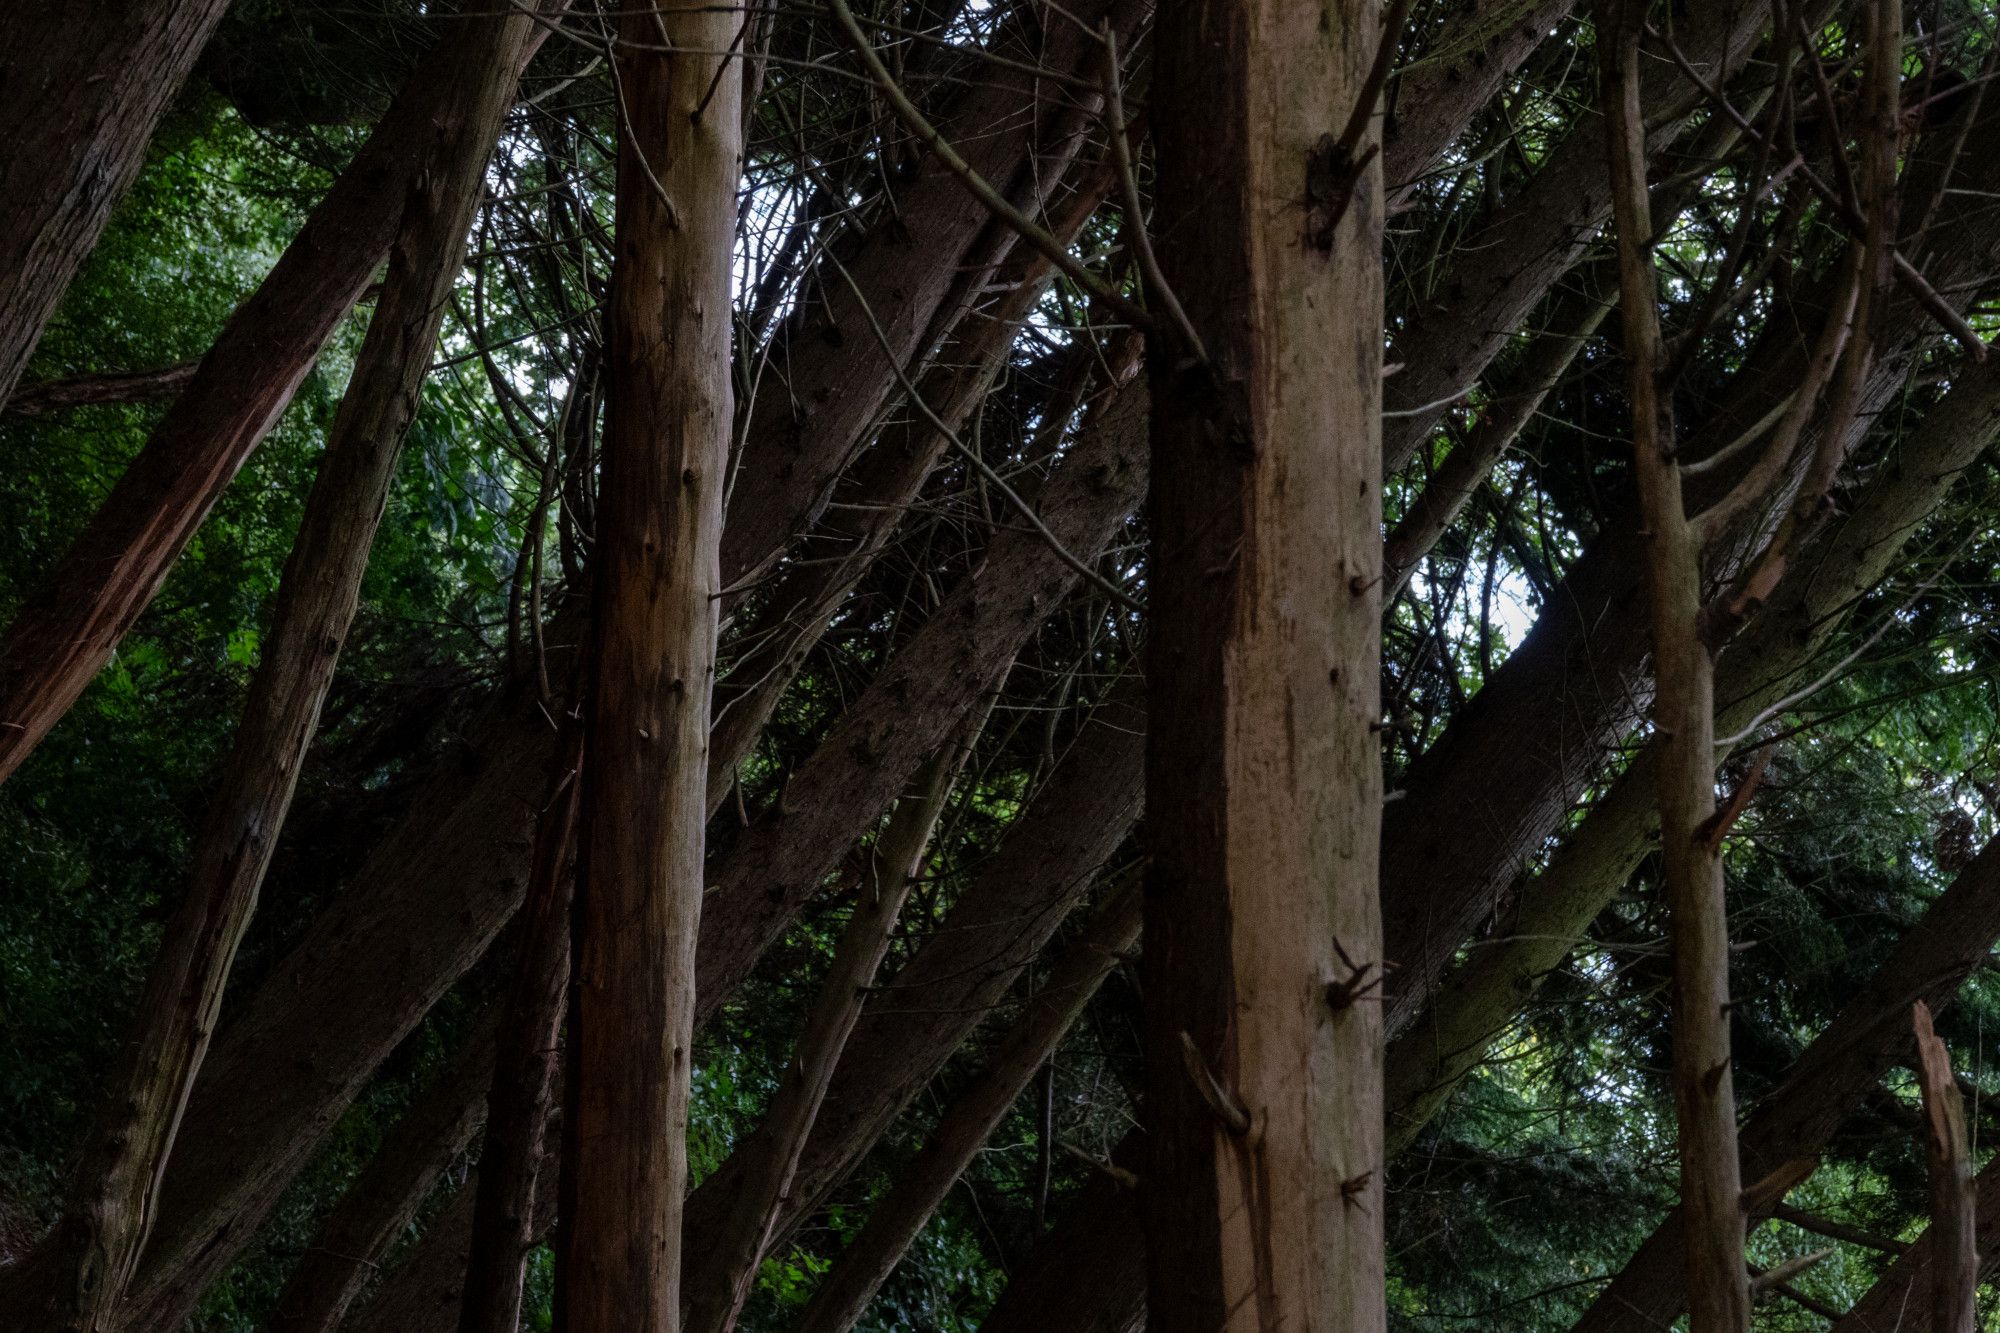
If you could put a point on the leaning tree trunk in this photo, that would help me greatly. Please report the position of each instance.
(81, 88)
(79, 1277)
(245, 383)
(1262, 1190)
(659, 522)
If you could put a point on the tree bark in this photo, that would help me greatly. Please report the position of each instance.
(1954, 1256)
(133, 386)
(524, 1083)
(1684, 721)
(81, 1276)
(63, 636)
(664, 464)
(895, 1220)
(1776, 654)
(916, 275)
(383, 1199)
(81, 90)
(1262, 1188)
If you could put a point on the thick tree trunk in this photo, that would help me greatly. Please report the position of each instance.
(377, 967)
(896, 1219)
(81, 89)
(85, 1267)
(639, 875)
(770, 1155)
(1262, 1184)
(117, 564)
(524, 1079)
(379, 1205)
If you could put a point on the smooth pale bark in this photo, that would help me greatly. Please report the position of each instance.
(81, 89)
(80, 1276)
(640, 832)
(1684, 721)
(896, 1219)
(349, 1247)
(1262, 1183)
(67, 632)
(770, 1155)
(1954, 1257)
(525, 1064)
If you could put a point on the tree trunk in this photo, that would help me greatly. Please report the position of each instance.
(524, 1082)
(1684, 720)
(719, 1288)
(134, 386)
(1954, 1246)
(1262, 1188)
(897, 1218)
(90, 1258)
(659, 524)
(383, 1199)
(81, 89)
(117, 564)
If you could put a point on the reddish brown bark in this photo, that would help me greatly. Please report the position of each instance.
(135, 386)
(640, 831)
(524, 1080)
(1261, 1187)
(80, 1276)
(117, 564)
(896, 1219)
(81, 89)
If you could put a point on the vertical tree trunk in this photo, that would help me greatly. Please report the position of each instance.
(81, 89)
(80, 1276)
(717, 1292)
(525, 1064)
(1684, 717)
(117, 564)
(1262, 1191)
(659, 519)
(1954, 1253)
